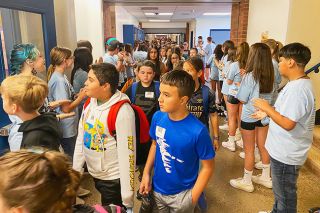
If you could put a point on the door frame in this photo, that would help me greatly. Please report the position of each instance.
(46, 9)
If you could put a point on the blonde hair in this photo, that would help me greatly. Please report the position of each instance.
(275, 47)
(57, 56)
(38, 182)
(28, 92)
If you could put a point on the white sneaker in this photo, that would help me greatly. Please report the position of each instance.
(79, 200)
(242, 155)
(258, 165)
(264, 211)
(239, 143)
(238, 135)
(82, 192)
(262, 181)
(256, 157)
(240, 184)
(224, 127)
(229, 145)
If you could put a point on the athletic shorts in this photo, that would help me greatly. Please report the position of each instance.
(251, 126)
(232, 100)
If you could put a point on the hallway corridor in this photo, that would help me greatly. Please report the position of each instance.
(222, 198)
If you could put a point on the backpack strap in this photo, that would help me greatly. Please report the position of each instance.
(112, 117)
(86, 103)
(205, 97)
(133, 92)
(157, 88)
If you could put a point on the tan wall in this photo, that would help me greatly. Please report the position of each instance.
(303, 26)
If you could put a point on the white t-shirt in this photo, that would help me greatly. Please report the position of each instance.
(296, 101)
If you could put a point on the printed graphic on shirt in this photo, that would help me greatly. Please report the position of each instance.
(166, 156)
(94, 136)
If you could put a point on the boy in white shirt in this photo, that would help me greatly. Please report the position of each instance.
(290, 131)
(110, 160)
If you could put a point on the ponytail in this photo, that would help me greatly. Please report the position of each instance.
(50, 72)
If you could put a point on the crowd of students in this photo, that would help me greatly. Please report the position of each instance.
(94, 119)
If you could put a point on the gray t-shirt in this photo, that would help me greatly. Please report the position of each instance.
(296, 102)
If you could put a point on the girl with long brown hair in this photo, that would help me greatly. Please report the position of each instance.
(257, 83)
(233, 80)
(61, 89)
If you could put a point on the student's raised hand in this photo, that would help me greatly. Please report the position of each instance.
(145, 185)
(55, 104)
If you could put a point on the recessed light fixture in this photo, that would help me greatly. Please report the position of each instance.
(158, 20)
(165, 14)
(217, 14)
(160, 14)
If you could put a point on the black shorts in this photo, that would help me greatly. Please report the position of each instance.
(232, 100)
(251, 126)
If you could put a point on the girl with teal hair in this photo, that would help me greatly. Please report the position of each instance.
(26, 59)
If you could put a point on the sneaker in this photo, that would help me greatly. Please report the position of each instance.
(256, 157)
(82, 192)
(224, 127)
(264, 211)
(258, 165)
(238, 135)
(242, 155)
(79, 200)
(229, 145)
(240, 143)
(264, 182)
(240, 184)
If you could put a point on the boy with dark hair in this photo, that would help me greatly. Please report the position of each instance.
(145, 94)
(176, 149)
(110, 160)
(290, 130)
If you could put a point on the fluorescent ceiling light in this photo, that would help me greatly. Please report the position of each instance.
(165, 14)
(158, 20)
(217, 14)
(150, 14)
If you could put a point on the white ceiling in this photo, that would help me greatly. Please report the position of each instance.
(180, 12)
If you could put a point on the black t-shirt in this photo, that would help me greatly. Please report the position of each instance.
(146, 99)
(195, 105)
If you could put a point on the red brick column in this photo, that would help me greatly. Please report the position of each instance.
(239, 21)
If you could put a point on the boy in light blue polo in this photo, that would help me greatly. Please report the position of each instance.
(290, 132)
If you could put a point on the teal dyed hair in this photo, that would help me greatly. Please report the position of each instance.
(19, 54)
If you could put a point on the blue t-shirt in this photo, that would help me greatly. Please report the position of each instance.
(79, 79)
(179, 149)
(234, 75)
(249, 89)
(113, 59)
(61, 89)
(296, 102)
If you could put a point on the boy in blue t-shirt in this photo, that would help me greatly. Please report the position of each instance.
(290, 131)
(176, 149)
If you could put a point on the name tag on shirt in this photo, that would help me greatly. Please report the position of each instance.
(160, 132)
(149, 94)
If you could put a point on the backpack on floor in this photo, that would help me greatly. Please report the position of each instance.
(141, 121)
(134, 90)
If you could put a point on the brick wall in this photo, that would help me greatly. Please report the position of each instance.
(239, 21)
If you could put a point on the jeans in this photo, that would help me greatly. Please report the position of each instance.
(68, 145)
(284, 186)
